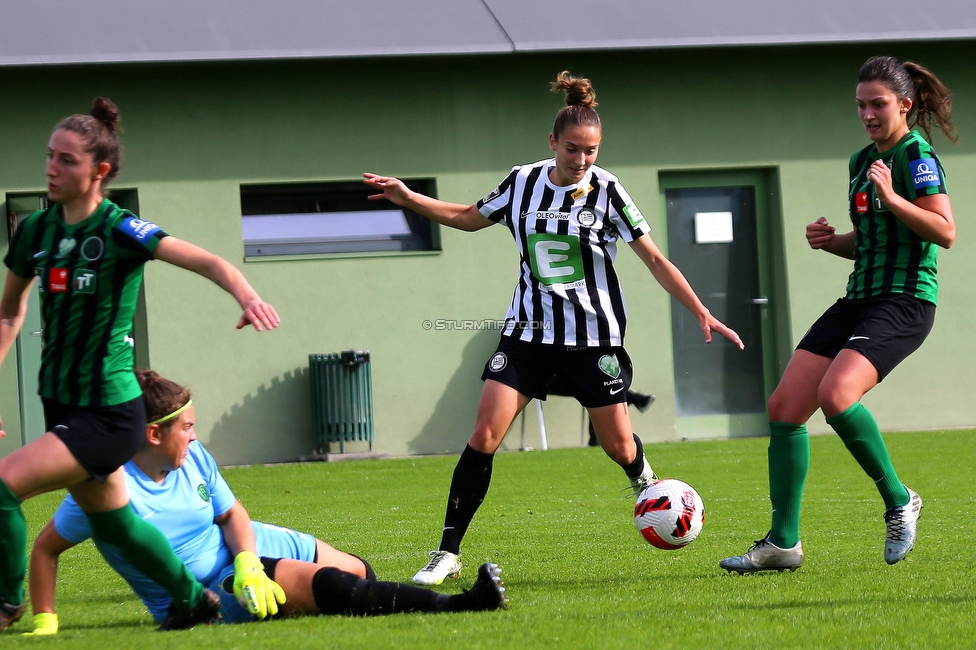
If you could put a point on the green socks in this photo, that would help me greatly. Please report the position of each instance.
(859, 431)
(13, 547)
(789, 460)
(145, 548)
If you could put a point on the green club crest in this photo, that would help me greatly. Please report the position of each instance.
(65, 246)
(610, 366)
(202, 492)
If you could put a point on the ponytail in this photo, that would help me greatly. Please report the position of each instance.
(933, 102)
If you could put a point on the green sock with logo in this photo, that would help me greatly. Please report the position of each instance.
(148, 550)
(789, 460)
(13, 547)
(859, 431)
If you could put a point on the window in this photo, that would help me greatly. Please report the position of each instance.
(315, 218)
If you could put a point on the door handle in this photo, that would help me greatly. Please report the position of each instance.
(762, 300)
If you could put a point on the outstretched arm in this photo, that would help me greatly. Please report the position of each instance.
(455, 215)
(44, 577)
(675, 283)
(193, 258)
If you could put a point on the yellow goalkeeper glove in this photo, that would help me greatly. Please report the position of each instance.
(253, 588)
(45, 623)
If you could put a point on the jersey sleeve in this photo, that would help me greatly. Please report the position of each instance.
(624, 215)
(497, 206)
(18, 258)
(221, 496)
(70, 522)
(922, 173)
(137, 236)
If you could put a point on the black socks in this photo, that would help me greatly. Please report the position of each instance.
(469, 486)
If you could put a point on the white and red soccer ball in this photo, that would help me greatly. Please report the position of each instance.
(669, 514)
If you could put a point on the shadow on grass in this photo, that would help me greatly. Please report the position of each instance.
(799, 604)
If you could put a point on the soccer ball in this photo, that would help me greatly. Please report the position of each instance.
(669, 514)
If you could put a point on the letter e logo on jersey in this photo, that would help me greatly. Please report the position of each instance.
(861, 202)
(57, 281)
(138, 229)
(925, 173)
(634, 216)
(555, 258)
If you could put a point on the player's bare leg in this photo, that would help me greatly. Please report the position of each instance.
(615, 433)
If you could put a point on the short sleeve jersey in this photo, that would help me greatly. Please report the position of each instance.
(568, 293)
(888, 257)
(89, 275)
(183, 508)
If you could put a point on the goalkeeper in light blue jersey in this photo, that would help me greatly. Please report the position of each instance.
(259, 570)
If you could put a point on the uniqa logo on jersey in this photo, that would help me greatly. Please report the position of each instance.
(138, 229)
(925, 173)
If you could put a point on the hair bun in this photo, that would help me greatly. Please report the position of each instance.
(579, 90)
(105, 111)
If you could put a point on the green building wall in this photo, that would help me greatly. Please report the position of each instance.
(195, 132)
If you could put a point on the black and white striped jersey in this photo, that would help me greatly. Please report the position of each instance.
(568, 293)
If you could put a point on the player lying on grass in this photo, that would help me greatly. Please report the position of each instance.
(257, 569)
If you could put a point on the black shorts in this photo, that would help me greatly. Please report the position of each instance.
(885, 330)
(594, 376)
(102, 439)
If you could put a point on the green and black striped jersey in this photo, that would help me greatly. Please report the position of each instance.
(89, 275)
(888, 257)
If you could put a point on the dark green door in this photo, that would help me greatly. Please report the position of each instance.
(714, 232)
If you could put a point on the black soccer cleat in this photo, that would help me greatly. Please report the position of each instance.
(10, 613)
(488, 591)
(641, 401)
(206, 611)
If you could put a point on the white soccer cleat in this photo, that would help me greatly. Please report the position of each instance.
(765, 556)
(902, 523)
(443, 564)
(642, 482)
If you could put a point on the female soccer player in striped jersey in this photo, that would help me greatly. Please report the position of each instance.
(567, 317)
(87, 256)
(901, 214)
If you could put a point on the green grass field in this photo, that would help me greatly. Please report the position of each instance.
(578, 573)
